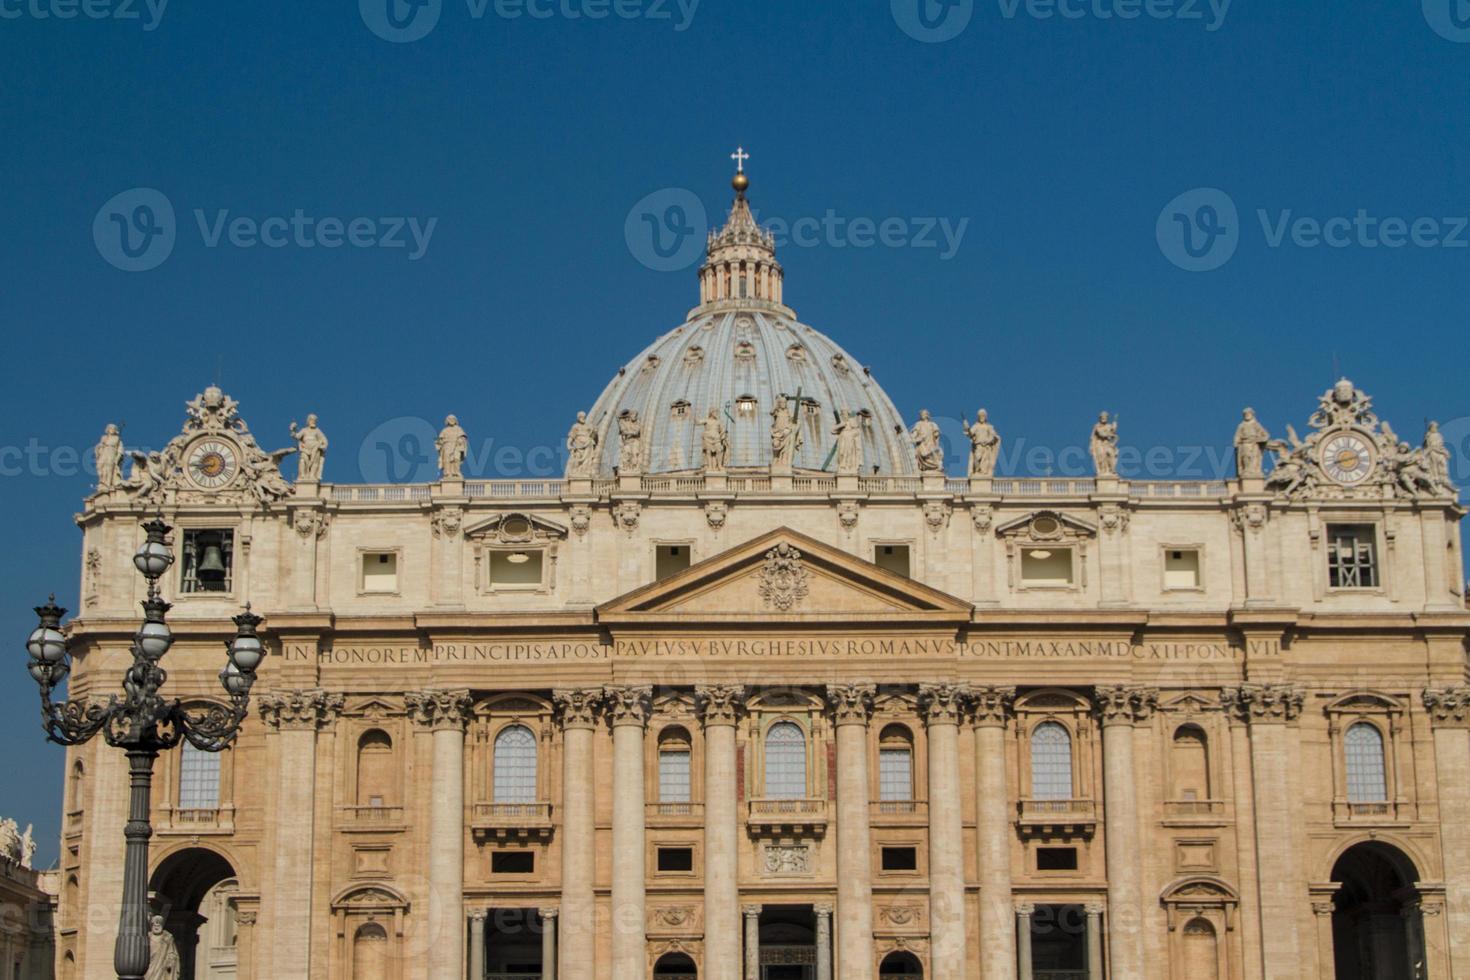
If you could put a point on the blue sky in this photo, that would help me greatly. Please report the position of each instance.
(1048, 138)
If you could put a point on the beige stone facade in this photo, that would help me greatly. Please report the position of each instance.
(754, 722)
(27, 908)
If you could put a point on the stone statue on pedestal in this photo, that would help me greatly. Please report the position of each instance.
(928, 450)
(849, 433)
(785, 437)
(715, 443)
(1438, 456)
(163, 954)
(630, 438)
(581, 449)
(1104, 446)
(453, 446)
(312, 443)
(1251, 439)
(109, 456)
(984, 445)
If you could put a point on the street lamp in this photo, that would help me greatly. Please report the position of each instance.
(142, 722)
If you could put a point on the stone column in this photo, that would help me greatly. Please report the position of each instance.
(990, 706)
(1322, 916)
(1449, 712)
(1023, 941)
(851, 705)
(477, 944)
(943, 704)
(296, 716)
(578, 712)
(445, 713)
(548, 944)
(1120, 709)
(752, 914)
(824, 941)
(244, 942)
(628, 709)
(1268, 709)
(720, 708)
(1094, 942)
(448, 584)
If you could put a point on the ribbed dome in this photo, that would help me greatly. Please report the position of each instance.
(740, 362)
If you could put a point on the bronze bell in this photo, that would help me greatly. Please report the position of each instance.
(211, 566)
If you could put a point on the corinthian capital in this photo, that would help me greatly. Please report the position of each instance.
(991, 706)
(627, 705)
(301, 710)
(439, 710)
(577, 708)
(851, 704)
(720, 704)
(943, 704)
(1449, 707)
(1264, 703)
(1126, 705)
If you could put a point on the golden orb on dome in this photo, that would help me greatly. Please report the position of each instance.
(741, 183)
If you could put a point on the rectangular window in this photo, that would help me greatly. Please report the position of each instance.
(1046, 567)
(673, 776)
(1352, 556)
(893, 557)
(208, 561)
(675, 859)
(515, 569)
(900, 859)
(513, 862)
(198, 779)
(1056, 859)
(895, 774)
(1181, 569)
(670, 559)
(380, 572)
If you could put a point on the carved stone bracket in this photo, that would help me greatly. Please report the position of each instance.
(1449, 707)
(625, 514)
(581, 518)
(438, 710)
(1264, 703)
(1114, 519)
(943, 704)
(448, 522)
(310, 523)
(851, 704)
(848, 512)
(301, 710)
(720, 704)
(983, 515)
(936, 514)
(578, 708)
(627, 705)
(990, 707)
(715, 513)
(1126, 705)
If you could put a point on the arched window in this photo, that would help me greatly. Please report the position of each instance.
(1367, 780)
(895, 764)
(375, 769)
(1051, 762)
(674, 785)
(1189, 764)
(785, 762)
(198, 779)
(370, 953)
(1201, 957)
(515, 765)
(78, 774)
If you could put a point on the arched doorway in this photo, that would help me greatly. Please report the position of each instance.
(190, 889)
(1377, 932)
(675, 966)
(900, 965)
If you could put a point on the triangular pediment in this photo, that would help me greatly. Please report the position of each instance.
(785, 576)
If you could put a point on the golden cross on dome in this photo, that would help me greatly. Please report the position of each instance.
(740, 156)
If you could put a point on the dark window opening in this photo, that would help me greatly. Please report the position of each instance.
(1056, 859)
(674, 859)
(900, 859)
(513, 862)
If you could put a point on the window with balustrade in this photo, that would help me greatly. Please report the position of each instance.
(1366, 731)
(515, 765)
(1367, 775)
(1051, 762)
(785, 769)
(198, 779)
(895, 764)
(675, 758)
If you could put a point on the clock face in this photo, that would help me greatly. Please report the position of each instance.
(212, 463)
(1347, 458)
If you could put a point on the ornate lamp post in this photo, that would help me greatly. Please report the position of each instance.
(142, 723)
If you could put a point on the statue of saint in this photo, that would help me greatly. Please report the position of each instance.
(109, 456)
(849, 433)
(28, 847)
(1438, 456)
(714, 442)
(630, 438)
(163, 955)
(582, 448)
(453, 446)
(785, 436)
(1250, 446)
(312, 443)
(928, 449)
(1104, 446)
(984, 445)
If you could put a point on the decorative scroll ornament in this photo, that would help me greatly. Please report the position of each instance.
(628, 705)
(1449, 706)
(448, 522)
(783, 578)
(720, 704)
(1353, 455)
(991, 706)
(851, 704)
(936, 514)
(848, 512)
(1126, 705)
(578, 709)
(301, 709)
(625, 514)
(1264, 702)
(310, 523)
(438, 709)
(943, 703)
(715, 512)
(787, 859)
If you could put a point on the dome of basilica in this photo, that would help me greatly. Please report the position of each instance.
(742, 353)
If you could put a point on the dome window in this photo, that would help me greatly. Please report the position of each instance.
(866, 417)
(652, 363)
(839, 364)
(693, 357)
(745, 351)
(796, 354)
(679, 410)
(812, 406)
(746, 405)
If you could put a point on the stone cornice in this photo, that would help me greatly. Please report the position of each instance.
(439, 710)
(990, 707)
(720, 704)
(578, 708)
(307, 710)
(1264, 703)
(851, 704)
(1123, 705)
(1449, 707)
(943, 704)
(627, 705)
